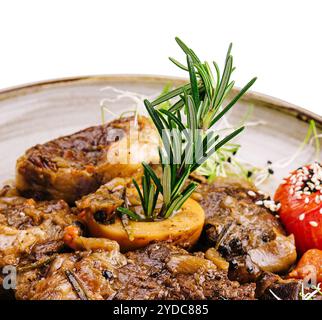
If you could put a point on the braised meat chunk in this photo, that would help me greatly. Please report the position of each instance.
(271, 287)
(103, 203)
(163, 271)
(72, 166)
(241, 226)
(72, 276)
(160, 271)
(30, 229)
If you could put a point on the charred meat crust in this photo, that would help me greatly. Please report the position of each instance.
(72, 166)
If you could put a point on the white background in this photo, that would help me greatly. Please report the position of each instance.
(278, 41)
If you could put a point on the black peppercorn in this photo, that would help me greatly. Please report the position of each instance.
(100, 216)
(236, 246)
(266, 237)
(250, 269)
(233, 265)
(224, 250)
(107, 274)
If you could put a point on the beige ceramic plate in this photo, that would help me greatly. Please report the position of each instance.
(39, 112)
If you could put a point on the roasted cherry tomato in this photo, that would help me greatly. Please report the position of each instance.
(300, 196)
(309, 266)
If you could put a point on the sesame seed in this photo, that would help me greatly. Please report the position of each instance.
(320, 211)
(301, 216)
(307, 200)
(251, 193)
(314, 223)
(259, 203)
(311, 185)
(307, 180)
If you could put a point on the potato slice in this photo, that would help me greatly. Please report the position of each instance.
(183, 229)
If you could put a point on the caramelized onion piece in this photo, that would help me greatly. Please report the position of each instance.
(187, 264)
(213, 255)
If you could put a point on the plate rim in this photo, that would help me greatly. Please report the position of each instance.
(250, 96)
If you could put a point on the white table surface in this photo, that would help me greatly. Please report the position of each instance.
(278, 41)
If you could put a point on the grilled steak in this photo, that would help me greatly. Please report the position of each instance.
(72, 166)
(30, 230)
(244, 231)
(159, 271)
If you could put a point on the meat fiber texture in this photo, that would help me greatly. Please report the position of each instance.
(72, 166)
(31, 239)
(159, 271)
(246, 234)
(30, 231)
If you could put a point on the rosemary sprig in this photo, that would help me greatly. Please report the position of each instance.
(187, 141)
(207, 89)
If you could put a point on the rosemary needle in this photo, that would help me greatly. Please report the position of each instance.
(71, 277)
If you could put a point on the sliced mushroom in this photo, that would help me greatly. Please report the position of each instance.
(275, 256)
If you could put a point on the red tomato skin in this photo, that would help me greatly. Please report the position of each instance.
(307, 236)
